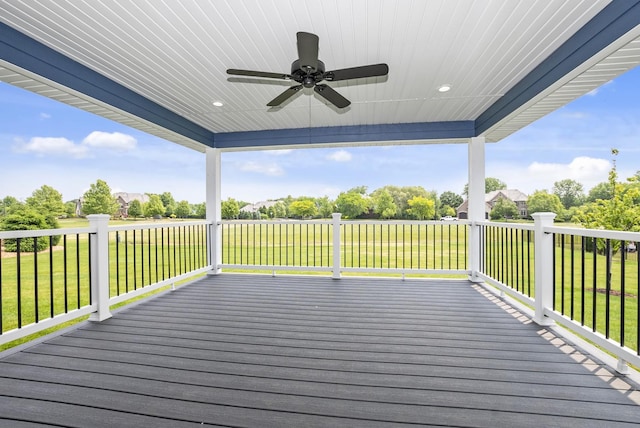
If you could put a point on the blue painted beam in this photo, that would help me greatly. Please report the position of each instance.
(346, 134)
(29, 54)
(615, 20)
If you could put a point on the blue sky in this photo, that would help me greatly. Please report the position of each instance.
(46, 142)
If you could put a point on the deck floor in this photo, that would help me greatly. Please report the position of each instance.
(261, 351)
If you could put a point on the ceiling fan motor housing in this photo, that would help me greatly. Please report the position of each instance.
(309, 78)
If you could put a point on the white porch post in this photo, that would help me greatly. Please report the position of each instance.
(213, 188)
(100, 266)
(475, 198)
(543, 269)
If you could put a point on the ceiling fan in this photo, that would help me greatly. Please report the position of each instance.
(309, 71)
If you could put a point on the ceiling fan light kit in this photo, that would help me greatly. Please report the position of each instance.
(308, 71)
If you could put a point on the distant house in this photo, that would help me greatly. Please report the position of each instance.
(490, 199)
(254, 208)
(124, 199)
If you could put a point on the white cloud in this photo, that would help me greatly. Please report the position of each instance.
(45, 116)
(340, 156)
(52, 146)
(110, 140)
(271, 169)
(585, 170)
(580, 168)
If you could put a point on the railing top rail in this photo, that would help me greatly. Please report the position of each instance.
(595, 233)
(156, 226)
(13, 234)
(407, 222)
(520, 226)
(283, 221)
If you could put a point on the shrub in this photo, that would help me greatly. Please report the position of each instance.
(25, 219)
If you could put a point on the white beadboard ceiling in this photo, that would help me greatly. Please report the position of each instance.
(175, 53)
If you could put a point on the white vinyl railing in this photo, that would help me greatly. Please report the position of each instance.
(585, 280)
(54, 276)
(337, 246)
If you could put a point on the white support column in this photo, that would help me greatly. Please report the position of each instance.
(543, 267)
(336, 244)
(476, 203)
(100, 266)
(213, 189)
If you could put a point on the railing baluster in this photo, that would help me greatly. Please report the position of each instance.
(66, 292)
(595, 284)
(572, 278)
(126, 261)
(51, 292)
(622, 290)
(78, 271)
(155, 245)
(582, 278)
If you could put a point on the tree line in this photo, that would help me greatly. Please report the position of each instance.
(45, 206)
(388, 202)
(611, 204)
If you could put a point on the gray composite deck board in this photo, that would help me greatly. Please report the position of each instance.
(250, 350)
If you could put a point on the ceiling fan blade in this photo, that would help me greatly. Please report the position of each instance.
(284, 96)
(252, 73)
(357, 72)
(308, 51)
(329, 94)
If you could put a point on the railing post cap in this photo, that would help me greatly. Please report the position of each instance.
(98, 217)
(336, 215)
(544, 216)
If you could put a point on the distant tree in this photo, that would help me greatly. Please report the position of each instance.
(542, 201)
(325, 207)
(98, 199)
(446, 210)
(359, 189)
(570, 192)
(304, 208)
(279, 210)
(490, 184)
(23, 217)
(503, 209)
(601, 191)
(7, 203)
(352, 204)
(135, 209)
(401, 196)
(46, 201)
(421, 208)
(451, 199)
(153, 208)
(70, 208)
(200, 210)
(383, 205)
(229, 209)
(620, 212)
(183, 209)
(169, 203)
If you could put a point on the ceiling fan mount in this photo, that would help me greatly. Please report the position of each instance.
(308, 71)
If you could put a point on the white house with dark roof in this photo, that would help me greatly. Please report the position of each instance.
(490, 199)
(124, 199)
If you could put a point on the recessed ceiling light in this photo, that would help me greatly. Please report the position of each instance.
(218, 103)
(444, 88)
